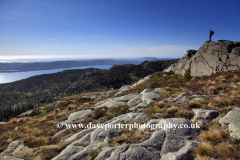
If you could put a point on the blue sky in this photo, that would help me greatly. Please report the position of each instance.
(113, 28)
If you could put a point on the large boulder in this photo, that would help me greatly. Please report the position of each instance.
(76, 115)
(135, 101)
(16, 148)
(111, 102)
(11, 146)
(232, 119)
(212, 57)
(177, 138)
(20, 149)
(165, 143)
(203, 116)
(183, 153)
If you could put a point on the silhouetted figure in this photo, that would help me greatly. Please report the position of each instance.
(210, 36)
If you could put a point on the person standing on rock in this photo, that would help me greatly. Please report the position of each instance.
(210, 36)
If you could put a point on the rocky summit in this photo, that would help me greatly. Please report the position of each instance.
(212, 57)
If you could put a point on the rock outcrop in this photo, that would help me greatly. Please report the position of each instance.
(135, 101)
(203, 116)
(16, 148)
(128, 87)
(232, 119)
(212, 57)
(90, 139)
(163, 144)
(76, 115)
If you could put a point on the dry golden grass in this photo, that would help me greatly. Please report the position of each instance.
(48, 152)
(233, 93)
(214, 135)
(32, 141)
(222, 150)
(159, 104)
(93, 153)
(201, 82)
(71, 107)
(210, 105)
(171, 110)
(193, 104)
(224, 133)
(49, 117)
(219, 102)
(184, 113)
(22, 120)
(32, 131)
(14, 121)
(156, 109)
(212, 90)
(220, 79)
(209, 82)
(121, 139)
(165, 93)
(204, 149)
(62, 116)
(204, 158)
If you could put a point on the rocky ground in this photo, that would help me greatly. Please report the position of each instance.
(160, 98)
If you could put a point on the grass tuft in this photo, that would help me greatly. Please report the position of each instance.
(204, 149)
(222, 150)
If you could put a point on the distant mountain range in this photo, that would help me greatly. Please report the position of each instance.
(19, 66)
(36, 91)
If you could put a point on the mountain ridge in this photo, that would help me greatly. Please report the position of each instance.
(34, 66)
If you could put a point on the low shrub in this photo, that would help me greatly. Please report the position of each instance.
(185, 113)
(35, 112)
(32, 141)
(171, 110)
(187, 75)
(83, 100)
(14, 121)
(193, 104)
(121, 139)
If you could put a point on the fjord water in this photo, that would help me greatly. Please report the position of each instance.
(8, 77)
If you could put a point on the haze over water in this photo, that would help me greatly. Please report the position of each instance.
(9, 77)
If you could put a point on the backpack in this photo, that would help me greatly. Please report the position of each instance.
(212, 32)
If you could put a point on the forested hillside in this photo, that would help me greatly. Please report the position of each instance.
(36, 91)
